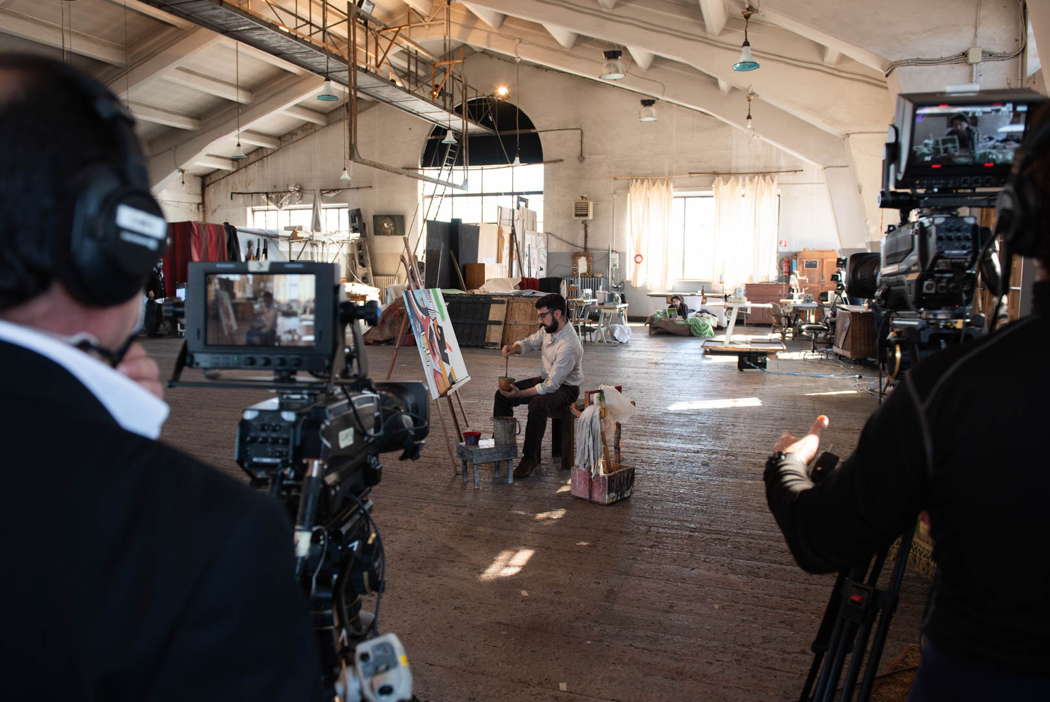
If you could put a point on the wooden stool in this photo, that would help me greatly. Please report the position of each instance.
(563, 438)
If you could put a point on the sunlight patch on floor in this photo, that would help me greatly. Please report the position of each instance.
(725, 403)
(507, 563)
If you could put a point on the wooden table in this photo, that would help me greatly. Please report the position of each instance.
(475, 456)
(750, 353)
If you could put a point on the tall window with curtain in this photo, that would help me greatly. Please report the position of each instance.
(649, 204)
(747, 225)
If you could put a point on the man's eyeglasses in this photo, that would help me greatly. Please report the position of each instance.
(541, 315)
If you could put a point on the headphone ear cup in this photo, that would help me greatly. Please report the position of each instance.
(118, 233)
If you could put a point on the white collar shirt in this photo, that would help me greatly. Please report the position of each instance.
(130, 405)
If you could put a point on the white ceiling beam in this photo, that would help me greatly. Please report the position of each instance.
(687, 88)
(215, 163)
(182, 45)
(857, 53)
(608, 4)
(492, 19)
(423, 7)
(724, 87)
(248, 50)
(209, 85)
(1039, 15)
(306, 115)
(643, 58)
(562, 35)
(831, 56)
(154, 12)
(808, 89)
(257, 139)
(715, 15)
(168, 119)
(51, 35)
(171, 152)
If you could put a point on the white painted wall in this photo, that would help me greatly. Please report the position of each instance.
(181, 199)
(615, 144)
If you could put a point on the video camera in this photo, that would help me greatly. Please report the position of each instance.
(944, 151)
(314, 446)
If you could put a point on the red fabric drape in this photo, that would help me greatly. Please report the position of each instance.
(191, 241)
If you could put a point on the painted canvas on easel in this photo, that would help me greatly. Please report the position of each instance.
(443, 362)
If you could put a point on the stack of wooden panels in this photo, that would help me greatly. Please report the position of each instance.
(477, 319)
(521, 318)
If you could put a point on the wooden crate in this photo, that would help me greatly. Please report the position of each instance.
(520, 320)
(855, 332)
(603, 489)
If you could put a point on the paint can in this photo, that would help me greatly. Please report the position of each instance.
(504, 430)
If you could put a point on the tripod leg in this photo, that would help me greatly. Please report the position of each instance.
(889, 607)
(820, 644)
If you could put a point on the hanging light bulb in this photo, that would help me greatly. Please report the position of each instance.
(517, 160)
(648, 112)
(613, 68)
(746, 62)
(502, 92)
(345, 175)
(450, 138)
(238, 154)
(328, 93)
(748, 121)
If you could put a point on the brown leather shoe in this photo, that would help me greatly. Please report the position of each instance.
(525, 467)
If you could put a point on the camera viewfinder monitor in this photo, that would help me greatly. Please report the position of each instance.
(951, 141)
(261, 315)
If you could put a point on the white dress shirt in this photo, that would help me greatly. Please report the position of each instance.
(132, 406)
(562, 357)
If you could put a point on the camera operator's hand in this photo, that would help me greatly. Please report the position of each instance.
(138, 366)
(806, 447)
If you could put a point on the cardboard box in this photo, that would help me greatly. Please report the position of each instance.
(475, 274)
(603, 489)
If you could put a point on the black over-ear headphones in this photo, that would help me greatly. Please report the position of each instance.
(1020, 215)
(118, 230)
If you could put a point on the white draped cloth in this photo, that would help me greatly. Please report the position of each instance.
(746, 222)
(648, 233)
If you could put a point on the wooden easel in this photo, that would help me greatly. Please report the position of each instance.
(408, 260)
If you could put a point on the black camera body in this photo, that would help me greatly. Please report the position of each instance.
(930, 263)
(315, 446)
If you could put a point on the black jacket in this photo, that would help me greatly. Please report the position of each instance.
(961, 438)
(130, 570)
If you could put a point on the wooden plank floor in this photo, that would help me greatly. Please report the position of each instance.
(686, 591)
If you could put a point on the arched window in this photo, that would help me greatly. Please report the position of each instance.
(503, 166)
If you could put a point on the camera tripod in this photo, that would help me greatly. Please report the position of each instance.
(857, 606)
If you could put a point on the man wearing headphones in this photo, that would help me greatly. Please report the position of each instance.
(131, 571)
(962, 438)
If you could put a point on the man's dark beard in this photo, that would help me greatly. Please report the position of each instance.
(552, 327)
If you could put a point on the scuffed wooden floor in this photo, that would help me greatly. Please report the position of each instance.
(686, 591)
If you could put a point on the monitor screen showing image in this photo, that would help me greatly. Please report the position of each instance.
(260, 309)
(968, 136)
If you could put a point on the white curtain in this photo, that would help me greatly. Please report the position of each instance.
(746, 218)
(648, 230)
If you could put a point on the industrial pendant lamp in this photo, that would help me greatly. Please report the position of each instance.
(450, 138)
(239, 154)
(613, 68)
(746, 62)
(328, 93)
(648, 112)
(748, 121)
(345, 175)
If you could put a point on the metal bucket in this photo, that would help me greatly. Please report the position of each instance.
(504, 430)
